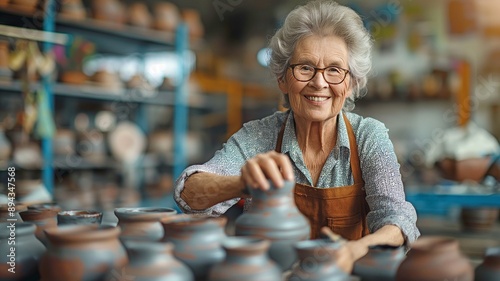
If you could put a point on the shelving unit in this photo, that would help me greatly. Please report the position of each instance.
(119, 40)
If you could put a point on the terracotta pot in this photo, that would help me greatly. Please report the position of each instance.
(489, 269)
(109, 10)
(197, 240)
(4, 54)
(478, 219)
(4, 3)
(246, 260)
(317, 262)
(151, 261)
(82, 252)
(434, 258)
(43, 216)
(73, 9)
(166, 16)
(73, 77)
(142, 222)
(79, 217)
(6, 211)
(274, 216)
(193, 20)
(138, 15)
(25, 258)
(379, 264)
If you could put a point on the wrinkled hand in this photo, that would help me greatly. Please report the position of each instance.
(349, 253)
(272, 165)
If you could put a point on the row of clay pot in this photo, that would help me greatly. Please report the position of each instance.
(196, 248)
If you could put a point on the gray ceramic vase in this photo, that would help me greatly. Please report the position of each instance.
(22, 263)
(197, 241)
(317, 262)
(246, 260)
(82, 252)
(379, 264)
(489, 269)
(274, 216)
(151, 261)
(142, 222)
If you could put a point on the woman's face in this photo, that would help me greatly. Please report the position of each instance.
(316, 100)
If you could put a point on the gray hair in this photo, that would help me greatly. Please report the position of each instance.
(324, 18)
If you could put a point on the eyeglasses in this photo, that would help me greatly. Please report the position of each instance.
(332, 74)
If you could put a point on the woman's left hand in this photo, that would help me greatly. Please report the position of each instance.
(349, 253)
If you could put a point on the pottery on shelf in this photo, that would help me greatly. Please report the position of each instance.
(79, 217)
(478, 219)
(139, 15)
(274, 216)
(142, 222)
(166, 16)
(82, 252)
(197, 240)
(151, 261)
(246, 260)
(380, 263)
(435, 258)
(43, 216)
(317, 262)
(489, 268)
(23, 261)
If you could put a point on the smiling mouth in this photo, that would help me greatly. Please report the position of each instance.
(317, 99)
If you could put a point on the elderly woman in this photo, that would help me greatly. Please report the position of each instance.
(321, 58)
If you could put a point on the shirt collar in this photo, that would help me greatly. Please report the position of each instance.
(290, 142)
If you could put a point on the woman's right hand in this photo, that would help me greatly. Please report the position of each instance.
(274, 166)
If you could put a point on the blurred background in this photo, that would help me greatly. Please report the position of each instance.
(104, 103)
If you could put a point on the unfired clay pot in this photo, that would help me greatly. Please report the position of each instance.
(26, 254)
(317, 262)
(434, 258)
(379, 264)
(489, 269)
(142, 222)
(274, 216)
(246, 260)
(151, 261)
(197, 241)
(82, 252)
(43, 216)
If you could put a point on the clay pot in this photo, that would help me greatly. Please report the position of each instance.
(152, 261)
(433, 258)
(25, 258)
(193, 21)
(109, 10)
(478, 219)
(6, 211)
(79, 217)
(379, 264)
(246, 260)
(4, 54)
(317, 262)
(43, 216)
(82, 252)
(197, 241)
(73, 77)
(138, 15)
(73, 9)
(274, 216)
(166, 16)
(142, 223)
(489, 269)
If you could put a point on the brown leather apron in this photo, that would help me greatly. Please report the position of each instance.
(343, 208)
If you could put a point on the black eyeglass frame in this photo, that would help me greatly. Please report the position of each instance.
(321, 70)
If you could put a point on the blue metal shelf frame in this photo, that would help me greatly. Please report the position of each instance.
(47, 149)
(181, 100)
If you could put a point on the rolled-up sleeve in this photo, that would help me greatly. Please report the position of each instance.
(383, 182)
(254, 137)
